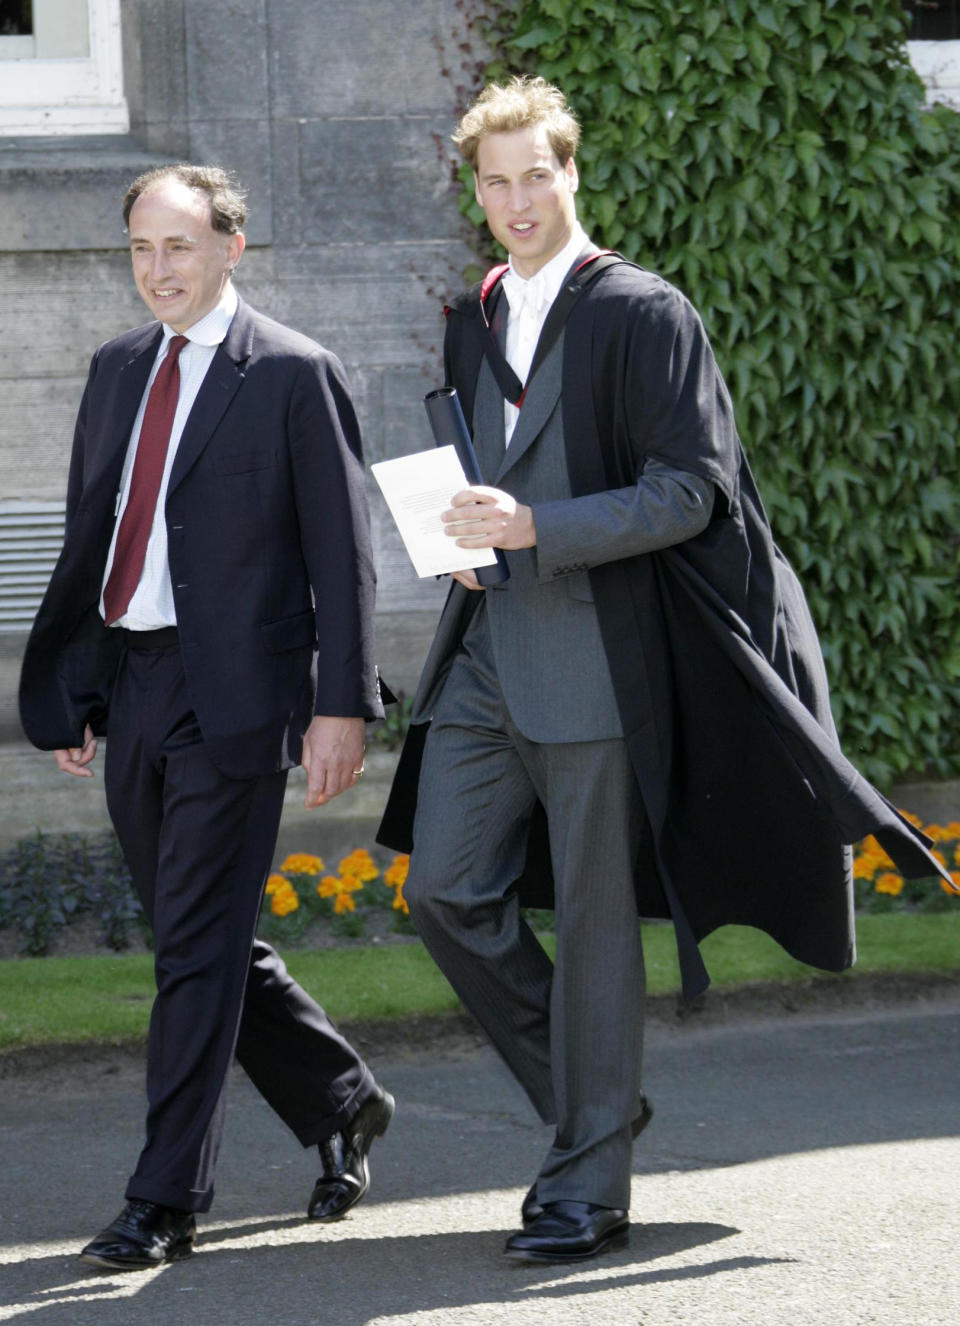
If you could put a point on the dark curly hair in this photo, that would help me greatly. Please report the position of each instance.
(228, 210)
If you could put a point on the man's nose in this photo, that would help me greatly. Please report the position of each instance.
(159, 265)
(519, 198)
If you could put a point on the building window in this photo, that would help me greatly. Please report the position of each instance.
(934, 47)
(934, 20)
(938, 64)
(61, 70)
(16, 20)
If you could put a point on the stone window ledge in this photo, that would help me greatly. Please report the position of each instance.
(64, 194)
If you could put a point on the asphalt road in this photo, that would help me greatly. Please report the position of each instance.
(801, 1169)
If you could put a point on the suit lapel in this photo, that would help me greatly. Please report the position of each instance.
(127, 394)
(538, 405)
(488, 428)
(224, 377)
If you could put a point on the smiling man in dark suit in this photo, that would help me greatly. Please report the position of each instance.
(212, 610)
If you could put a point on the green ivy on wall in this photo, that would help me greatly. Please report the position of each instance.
(772, 158)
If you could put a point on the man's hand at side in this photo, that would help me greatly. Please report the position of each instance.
(332, 757)
(74, 759)
(489, 518)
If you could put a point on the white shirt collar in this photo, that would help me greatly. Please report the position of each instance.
(213, 326)
(549, 278)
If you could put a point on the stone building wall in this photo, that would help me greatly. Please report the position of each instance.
(334, 116)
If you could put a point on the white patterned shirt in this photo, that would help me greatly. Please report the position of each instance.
(151, 606)
(530, 302)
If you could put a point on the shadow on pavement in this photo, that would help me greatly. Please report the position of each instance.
(366, 1281)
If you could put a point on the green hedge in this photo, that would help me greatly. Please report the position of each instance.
(772, 158)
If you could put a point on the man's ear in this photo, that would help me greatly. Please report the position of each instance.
(235, 248)
(572, 176)
(476, 189)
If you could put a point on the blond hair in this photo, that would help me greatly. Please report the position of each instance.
(523, 103)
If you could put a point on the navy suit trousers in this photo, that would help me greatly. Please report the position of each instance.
(199, 846)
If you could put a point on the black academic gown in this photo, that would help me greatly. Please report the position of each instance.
(713, 653)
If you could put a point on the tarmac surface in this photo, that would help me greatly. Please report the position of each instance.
(802, 1168)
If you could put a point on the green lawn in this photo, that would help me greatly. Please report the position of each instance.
(72, 1000)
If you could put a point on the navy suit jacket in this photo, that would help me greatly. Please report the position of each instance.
(269, 550)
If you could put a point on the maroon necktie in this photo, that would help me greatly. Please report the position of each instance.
(137, 521)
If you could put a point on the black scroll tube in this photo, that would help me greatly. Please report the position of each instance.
(450, 430)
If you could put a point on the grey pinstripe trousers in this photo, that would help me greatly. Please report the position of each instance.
(572, 1033)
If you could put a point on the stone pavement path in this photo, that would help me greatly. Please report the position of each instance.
(801, 1170)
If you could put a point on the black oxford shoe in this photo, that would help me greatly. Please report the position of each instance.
(346, 1174)
(143, 1235)
(530, 1208)
(569, 1232)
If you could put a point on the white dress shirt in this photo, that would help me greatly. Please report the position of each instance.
(151, 606)
(530, 303)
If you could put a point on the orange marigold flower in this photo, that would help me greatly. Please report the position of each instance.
(938, 832)
(889, 883)
(329, 886)
(400, 902)
(955, 876)
(284, 901)
(864, 867)
(359, 864)
(915, 820)
(396, 873)
(871, 850)
(344, 903)
(302, 863)
(275, 882)
(939, 856)
(350, 884)
(953, 829)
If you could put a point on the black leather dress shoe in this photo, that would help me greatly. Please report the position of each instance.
(569, 1232)
(143, 1235)
(530, 1208)
(346, 1174)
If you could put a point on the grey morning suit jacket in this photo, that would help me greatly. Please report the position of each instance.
(543, 626)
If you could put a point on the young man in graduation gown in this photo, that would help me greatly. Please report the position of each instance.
(638, 716)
